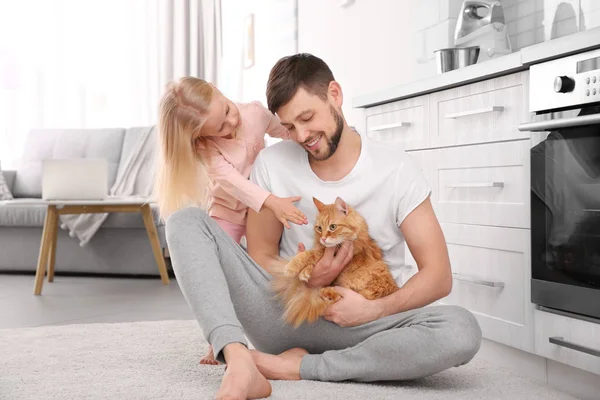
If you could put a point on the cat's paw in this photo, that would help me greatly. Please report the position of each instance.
(305, 274)
(289, 271)
(330, 295)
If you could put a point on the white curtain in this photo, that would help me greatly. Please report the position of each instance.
(190, 39)
(96, 64)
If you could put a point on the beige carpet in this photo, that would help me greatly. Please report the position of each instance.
(159, 360)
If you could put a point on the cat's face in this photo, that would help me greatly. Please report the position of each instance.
(334, 223)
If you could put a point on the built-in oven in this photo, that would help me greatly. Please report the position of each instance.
(564, 99)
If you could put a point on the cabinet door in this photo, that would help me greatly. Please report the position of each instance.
(403, 123)
(490, 266)
(485, 184)
(568, 340)
(480, 112)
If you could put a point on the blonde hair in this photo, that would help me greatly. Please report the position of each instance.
(181, 176)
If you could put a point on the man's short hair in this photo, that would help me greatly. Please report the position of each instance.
(290, 73)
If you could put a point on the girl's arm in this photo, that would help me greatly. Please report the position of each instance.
(252, 195)
(272, 123)
(231, 180)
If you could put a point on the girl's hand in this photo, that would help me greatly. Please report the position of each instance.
(285, 211)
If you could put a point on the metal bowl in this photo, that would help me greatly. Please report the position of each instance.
(455, 57)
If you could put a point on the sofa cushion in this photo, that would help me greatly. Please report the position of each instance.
(33, 215)
(26, 215)
(65, 143)
(130, 220)
(5, 193)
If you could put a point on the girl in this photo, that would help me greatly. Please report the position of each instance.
(207, 147)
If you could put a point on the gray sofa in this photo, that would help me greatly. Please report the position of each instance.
(120, 246)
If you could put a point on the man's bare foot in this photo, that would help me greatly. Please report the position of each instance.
(242, 380)
(285, 366)
(209, 358)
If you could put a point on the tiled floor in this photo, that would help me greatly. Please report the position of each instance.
(73, 300)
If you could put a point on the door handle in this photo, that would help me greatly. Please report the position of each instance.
(478, 281)
(476, 185)
(390, 126)
(477, 111)
(559, 341)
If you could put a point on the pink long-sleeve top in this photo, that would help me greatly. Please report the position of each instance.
(229, 162)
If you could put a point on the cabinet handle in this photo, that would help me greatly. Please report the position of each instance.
(477, 281)
(476, 185)
(559, 341)
(474, 112)
(541, 126)
(390, 126)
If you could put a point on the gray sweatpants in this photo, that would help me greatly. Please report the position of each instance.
(231, 298)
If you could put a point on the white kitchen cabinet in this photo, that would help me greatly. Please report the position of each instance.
(491, 275)
(554, 334)
(403, 123)
(490, 266)
(480, 112)
(477, 163)
(485, 184)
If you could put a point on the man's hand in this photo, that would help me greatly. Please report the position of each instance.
(352, 309)
(329, 266)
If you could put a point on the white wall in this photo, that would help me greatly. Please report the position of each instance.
(374, 44)
(275, 36)
(369, 45)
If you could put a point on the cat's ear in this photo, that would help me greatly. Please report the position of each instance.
(341, 206)
(320, 206)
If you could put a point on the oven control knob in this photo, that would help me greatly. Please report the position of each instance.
(563, 84)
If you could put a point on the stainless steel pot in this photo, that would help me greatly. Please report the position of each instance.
(455, 57)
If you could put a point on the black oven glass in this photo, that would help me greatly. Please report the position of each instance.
(565, 206)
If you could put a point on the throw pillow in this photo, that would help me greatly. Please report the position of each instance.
(5, 193)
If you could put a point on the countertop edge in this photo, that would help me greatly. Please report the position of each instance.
(489, 69)
(514, 62)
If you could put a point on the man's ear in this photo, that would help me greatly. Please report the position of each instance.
(335, 93)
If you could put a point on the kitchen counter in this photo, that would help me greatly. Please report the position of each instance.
(517, 61)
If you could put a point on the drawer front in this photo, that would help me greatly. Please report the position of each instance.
(486, 184)
(404, 123)
(491, 273)
(562, 329)
(481, 112)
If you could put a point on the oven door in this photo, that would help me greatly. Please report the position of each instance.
(565, 213)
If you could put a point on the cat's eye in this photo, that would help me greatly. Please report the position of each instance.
(332, 227)
(318, 228)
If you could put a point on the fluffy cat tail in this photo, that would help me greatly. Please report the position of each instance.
(301, 303)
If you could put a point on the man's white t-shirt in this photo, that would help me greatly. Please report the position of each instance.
(384, 186)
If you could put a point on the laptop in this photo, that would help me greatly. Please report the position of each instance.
(75, 179)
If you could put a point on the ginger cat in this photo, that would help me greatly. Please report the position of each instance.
(366, 273)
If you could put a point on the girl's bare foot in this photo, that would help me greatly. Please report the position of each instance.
(285, 366)
(242, 380)
(209, 358)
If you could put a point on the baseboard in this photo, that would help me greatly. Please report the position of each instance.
(95, 274)
(574, 381)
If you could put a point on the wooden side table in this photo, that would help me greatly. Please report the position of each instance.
(47, 254)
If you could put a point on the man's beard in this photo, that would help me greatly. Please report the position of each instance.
(333, 141)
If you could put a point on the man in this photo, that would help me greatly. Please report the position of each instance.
(393, 338)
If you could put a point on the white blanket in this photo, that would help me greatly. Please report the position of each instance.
(136, 178)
